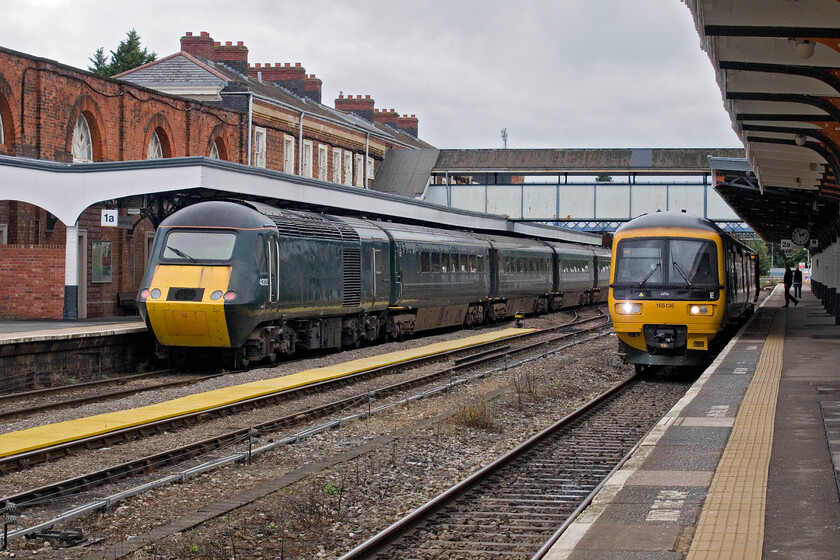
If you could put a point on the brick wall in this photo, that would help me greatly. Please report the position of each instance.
(29, 285)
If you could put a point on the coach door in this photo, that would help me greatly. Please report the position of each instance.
(273, 271)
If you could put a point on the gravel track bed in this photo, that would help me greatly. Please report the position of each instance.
(326, 515)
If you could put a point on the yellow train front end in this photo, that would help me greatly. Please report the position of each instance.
(189, 309)
(667, 292)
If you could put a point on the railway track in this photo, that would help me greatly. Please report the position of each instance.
(515, 506)
(462, 361)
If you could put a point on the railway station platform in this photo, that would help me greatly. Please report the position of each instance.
(37, 354)
(745, 466)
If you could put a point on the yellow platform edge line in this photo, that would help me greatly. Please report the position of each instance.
(736, 501)
(40, 437)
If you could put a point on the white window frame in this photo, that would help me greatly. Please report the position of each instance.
(370, 168)
(336, 165)
(260, 146)
(323, 167)
(82, 141)
(348, 167)
(289, 154)
(307, 170)
(214, 151)
(4, 234)
(359, 174)
(2, 133)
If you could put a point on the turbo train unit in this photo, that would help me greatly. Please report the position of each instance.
(260, 282)
(678, 282)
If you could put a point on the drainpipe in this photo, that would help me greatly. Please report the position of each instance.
(367, 147)
(300, 144)
(250, 124)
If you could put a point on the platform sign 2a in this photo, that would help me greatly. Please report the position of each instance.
(110, 217)
(785, 244)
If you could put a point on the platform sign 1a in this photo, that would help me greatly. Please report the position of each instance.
(110, 217)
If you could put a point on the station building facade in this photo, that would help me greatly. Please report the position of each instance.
(206, 100)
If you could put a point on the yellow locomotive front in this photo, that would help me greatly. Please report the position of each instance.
(667, 290)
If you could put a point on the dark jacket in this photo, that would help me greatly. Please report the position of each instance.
(788, 280)
(797, 276)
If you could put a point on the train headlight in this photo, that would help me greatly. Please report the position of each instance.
(699, 310)
(155, 293)
(217, 295)
(628, 308)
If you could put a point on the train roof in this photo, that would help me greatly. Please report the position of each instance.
(670, 220)
(217, 213)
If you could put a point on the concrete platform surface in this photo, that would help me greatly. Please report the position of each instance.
(745, 466)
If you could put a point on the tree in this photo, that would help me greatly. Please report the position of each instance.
(128, 55)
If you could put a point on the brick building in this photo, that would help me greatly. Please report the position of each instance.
(206, 100)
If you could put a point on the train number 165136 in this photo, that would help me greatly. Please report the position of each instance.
(665, 305)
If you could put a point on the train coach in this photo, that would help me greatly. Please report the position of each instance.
(679, 282)
(256, 282)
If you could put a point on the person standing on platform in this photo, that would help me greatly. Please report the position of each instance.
(797, 282)
(788, 280)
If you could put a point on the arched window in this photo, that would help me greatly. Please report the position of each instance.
(214, 151)
(155, 150)
(82, 142)
(2, 136)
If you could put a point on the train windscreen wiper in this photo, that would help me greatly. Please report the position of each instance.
(180, 253)
(678, 269)
(646, 278)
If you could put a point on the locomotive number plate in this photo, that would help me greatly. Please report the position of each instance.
(665, 305)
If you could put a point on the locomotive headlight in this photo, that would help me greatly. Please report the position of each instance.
(155, 293)
(217, 295)
(699, 310)
(628, 308)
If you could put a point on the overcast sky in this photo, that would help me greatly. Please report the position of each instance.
(554, 73)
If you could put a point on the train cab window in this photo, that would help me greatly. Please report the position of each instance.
(198, 246)
(260, 254)
(425, 262)
(667, 262)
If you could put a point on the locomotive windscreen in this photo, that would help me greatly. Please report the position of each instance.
(196, 246)
(665, 262)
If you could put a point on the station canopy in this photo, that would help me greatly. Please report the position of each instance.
(778, 68)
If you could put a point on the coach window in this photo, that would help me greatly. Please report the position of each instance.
(479, 262)
(435, 262)
(425, 262)
(82, 141)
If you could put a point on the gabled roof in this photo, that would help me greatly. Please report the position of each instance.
(190, 76)
(181, 68)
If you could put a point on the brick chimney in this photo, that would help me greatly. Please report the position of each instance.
(201, 46)
(386, 116)
(234, 56)
(312, 88)
(361, 107)
(408, 125)
(285, 75)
